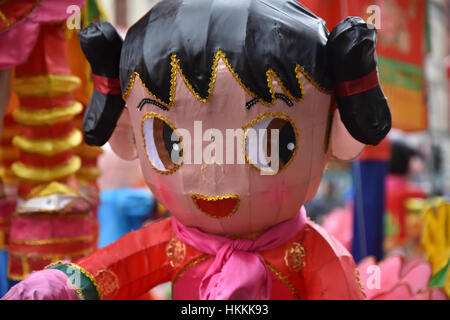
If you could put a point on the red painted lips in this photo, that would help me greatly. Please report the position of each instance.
(216, 206)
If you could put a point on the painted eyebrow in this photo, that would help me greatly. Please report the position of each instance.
(280, 96)
(151, 101)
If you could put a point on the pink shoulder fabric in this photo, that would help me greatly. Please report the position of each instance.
(22, 36)
(48, 284)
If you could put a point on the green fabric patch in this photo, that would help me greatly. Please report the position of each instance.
(79, 280)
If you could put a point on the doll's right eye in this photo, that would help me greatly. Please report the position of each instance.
(270, 143)
(162, 144)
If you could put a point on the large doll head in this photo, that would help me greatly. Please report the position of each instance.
(231, 105)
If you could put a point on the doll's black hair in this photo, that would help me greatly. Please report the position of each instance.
(102, 45)
(255, 37)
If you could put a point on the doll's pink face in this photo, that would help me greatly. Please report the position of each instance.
(231, 194)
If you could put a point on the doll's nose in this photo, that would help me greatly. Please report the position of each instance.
(212, 173)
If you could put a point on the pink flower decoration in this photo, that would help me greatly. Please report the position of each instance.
(397, 279)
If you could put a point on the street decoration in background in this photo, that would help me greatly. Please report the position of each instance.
(8, 185)
(58, 197)
(401, 51)
(52, 216)
(89, 172)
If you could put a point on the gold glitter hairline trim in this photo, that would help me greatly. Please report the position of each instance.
(175, 66)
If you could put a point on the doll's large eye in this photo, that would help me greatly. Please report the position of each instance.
(270, 143)
(161, 143)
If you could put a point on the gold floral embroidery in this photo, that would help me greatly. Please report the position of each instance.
(253, 122)
(270, 73)
(195, 196)
(107, 281)
(176, 252)
(294, 257)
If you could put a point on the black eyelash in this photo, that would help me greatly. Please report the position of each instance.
(281, 96)
(284, 98)
(154, 102)
(251, 103)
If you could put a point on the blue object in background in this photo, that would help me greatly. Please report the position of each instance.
(121, 211)
(369, 181)
(4, 286)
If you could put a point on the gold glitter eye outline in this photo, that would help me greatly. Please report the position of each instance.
(255, 121)
(154, 115)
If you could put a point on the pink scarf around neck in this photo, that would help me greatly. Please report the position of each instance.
(238, 271)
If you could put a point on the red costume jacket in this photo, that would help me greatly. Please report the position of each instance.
(312, 265)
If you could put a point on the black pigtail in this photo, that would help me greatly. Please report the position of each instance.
(362, 105)
(102, 46)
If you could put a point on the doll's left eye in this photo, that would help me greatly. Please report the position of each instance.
(161, 143)
(270, 142)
